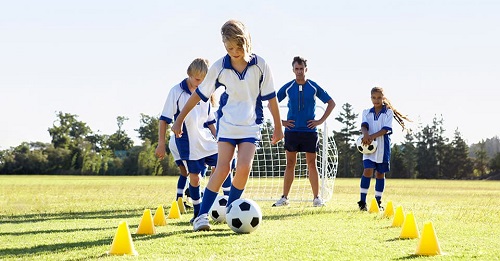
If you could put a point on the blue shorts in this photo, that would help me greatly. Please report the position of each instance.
(197, 166)
(301, 141)
(235, 142)
(179, 163)
(379, 167)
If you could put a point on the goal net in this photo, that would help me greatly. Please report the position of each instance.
(266, 177)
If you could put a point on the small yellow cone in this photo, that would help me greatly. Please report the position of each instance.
(159, 217)
(174, 211)
(374, 207)
(180, 203)
(389, 210)
(122, 243)
(146, 226)
(410, 229)
(428, 245)
(399, 217)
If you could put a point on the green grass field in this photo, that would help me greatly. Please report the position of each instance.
(76, 218)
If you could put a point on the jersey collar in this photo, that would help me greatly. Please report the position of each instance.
(185, 87)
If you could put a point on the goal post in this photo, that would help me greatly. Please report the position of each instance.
(266, 176)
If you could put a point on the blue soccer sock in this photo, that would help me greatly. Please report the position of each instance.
(234, 194)
(181, 184)
(208, 200)
(226, 186)
(364, 186)
(196, 197)
(379, 188)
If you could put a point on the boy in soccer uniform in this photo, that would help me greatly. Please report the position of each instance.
(300, 127)
(197, 147)
(248, 81)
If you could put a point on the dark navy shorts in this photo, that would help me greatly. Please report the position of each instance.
(235, 142)
(379, 167)
(198, 166)
(296, 141)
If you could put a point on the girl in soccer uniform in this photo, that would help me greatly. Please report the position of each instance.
(197, 147)
(377, 125)
(248, 81)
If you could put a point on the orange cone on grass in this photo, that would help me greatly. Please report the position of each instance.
(399, 217)
(122, 242)
(174, 211)
(146, 226)
(428, 245)
(159, 217)
(409, 229)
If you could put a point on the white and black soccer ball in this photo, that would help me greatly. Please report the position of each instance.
(366, 149)
(218, 210)
(243, 216)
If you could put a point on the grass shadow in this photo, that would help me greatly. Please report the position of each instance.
(50, 231)
(40, 217)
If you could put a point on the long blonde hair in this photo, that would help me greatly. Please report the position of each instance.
(397, 115)
(235, 31)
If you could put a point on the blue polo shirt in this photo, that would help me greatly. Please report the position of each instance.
(302, 102)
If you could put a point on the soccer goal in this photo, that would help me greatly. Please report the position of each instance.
(266, 176)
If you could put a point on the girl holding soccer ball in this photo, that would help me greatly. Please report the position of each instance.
(377, 125)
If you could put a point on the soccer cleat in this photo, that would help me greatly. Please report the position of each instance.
(379, 203)
(186, 206)
(362, 206)
(283, 201)
(201, 223)
(318, 202)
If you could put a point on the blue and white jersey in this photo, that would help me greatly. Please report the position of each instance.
(302, 103)
(240, 108)
(375, 123)
(196, 142)
(173, 148)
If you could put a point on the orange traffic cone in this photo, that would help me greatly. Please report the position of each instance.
(428, 245)
(122, 242)
(159, 217)
(146, 226)
(410, 229)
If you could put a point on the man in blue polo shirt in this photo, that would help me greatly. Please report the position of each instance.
(300, 127)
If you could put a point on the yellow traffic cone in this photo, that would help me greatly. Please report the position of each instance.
(159, 217)
(389, 210)
(399, 217)
(174, 211)
(374, 207)
(146, 226)
(428, 245)
(180, 203)
(410, 229)
(122, 243)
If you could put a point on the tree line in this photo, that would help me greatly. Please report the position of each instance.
(77, 150)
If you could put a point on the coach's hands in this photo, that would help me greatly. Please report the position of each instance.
(288, 123)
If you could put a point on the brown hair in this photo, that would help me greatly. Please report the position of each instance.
(397, 115)
(299, 60)
(235, 31)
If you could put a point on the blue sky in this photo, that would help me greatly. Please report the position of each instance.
(103, 59)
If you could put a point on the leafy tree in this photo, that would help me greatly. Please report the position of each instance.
(67, 132)
(495, 163)
(481, 161)
(456, 163)
(148, 129)
(120, 141)
(345, 140)
(430, 150)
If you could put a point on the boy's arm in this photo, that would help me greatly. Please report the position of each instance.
(275, 112)
(212, 129)
(161, 147)
(191, 102)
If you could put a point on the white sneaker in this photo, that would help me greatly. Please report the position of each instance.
(201, 223)
(283, 201)
(318, 202)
